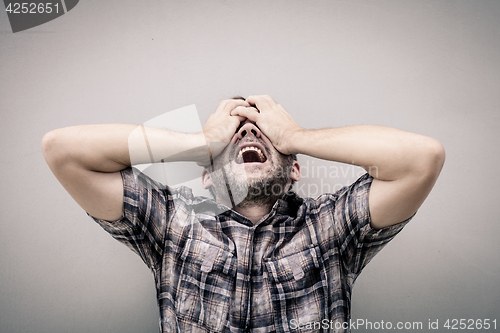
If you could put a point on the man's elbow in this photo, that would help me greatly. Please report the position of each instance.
(432, 159)
(53, 148)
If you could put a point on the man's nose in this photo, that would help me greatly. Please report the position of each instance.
(247, 129)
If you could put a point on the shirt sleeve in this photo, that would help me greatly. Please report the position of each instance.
(358, 242)
(143, 224)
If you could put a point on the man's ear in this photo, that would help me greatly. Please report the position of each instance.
(295, 173)
(206, 179)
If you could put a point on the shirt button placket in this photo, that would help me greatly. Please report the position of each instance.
(249, 278)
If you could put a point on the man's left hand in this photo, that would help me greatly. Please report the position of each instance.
(272, 119)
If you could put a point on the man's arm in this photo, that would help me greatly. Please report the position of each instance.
(87, 159)
(405, 165)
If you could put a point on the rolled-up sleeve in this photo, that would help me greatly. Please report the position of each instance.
(358, 242)
(145, 214)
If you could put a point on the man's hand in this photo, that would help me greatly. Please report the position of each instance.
(273, 120)
(221, 125)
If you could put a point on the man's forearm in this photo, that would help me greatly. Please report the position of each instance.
(386, 153)
(113, 147)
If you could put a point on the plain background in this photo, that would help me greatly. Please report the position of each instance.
(430, 67)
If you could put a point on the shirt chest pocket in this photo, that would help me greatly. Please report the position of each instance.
(206, 281)
(294, 266)
(298, 286)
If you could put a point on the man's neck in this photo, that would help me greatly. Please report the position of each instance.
(253, 212)
(253, 208)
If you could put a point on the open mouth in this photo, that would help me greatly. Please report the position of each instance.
(251, 154)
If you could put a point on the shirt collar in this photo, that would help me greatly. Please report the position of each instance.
(288, 205)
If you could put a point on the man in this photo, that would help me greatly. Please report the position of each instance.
(256, 258)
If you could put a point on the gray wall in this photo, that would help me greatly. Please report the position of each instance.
(430, 67)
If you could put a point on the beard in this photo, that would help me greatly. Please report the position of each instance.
(258, 188)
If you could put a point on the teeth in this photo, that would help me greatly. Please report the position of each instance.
(255, 149)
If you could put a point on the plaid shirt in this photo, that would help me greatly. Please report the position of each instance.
(217, 272)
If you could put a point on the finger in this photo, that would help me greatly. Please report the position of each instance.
(246, 112)
(262, 102)
(243, 108)
(240, 119)
(236, 117)
(226, 106)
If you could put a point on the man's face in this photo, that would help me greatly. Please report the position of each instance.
(250, 170)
